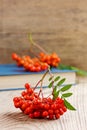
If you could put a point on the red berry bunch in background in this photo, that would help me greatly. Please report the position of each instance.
(30, 64)
(52, 59)
(39, 62)
(36, 105)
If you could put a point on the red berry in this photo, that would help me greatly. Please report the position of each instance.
(53, 106)
(61, 111)
(27, 86)
(50, 111)
(64, 108)
(28, 110)
(24, 93)
(24, 106)
(15, 99)
(46, 106)
(36, 114)
(17, 104)
(31, 115)
(44, 114)
(14, 56)
(57, 116)
(56, 111)
(30, 91)
(51, 117)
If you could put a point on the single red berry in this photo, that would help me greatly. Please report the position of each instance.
(44, 114)
(53, 106)
(14, 56)
(24, 106)
(24, 93)
(30, 91)
(56, 111)
(36, 114)
(17, 104)
(42, 105)
(61, 111)
(27, 86)
(28, 110)
(46, 106)
(64, 108)
(31, 115)
(51, 117)
(15, 99)
(21, 103)
(50, 111)
(57, 116)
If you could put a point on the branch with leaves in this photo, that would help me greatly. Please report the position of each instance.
(60, 90)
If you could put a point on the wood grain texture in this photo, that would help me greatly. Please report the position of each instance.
(56, 25)
(12, 119)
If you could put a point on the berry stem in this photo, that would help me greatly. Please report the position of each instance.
(36, 45)
(51, 75)
(37, 84)
(33, 52)
(41, 81)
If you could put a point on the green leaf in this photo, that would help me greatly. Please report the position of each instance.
(77, 70)
(64, 67)
(55, 94)
(51, 78)
(51, 84)
(61, 82)
(66, 87)
(65, 95)
(55, 88)
(68, 105)
(57, 78)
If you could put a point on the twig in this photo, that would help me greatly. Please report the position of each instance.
(36, 45)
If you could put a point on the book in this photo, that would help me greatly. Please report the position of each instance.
(13, 77)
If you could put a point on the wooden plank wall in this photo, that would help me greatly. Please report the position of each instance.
(57, 25)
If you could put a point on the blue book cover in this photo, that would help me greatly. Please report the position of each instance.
(13, 69)
(13, 77)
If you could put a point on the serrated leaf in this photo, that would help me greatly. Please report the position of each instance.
(50, 85)
(68, 105)
(51, 78)
(57, 78)
(65, 95)
(66, 87)
(61, 82)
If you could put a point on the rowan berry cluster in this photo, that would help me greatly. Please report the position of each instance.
(37, 64)
(52, 59)
(35, 106)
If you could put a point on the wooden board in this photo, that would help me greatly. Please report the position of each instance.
(56, 25)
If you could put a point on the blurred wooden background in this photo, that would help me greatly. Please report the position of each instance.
(57, 25)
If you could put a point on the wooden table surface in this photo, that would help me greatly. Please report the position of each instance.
(12, 119)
